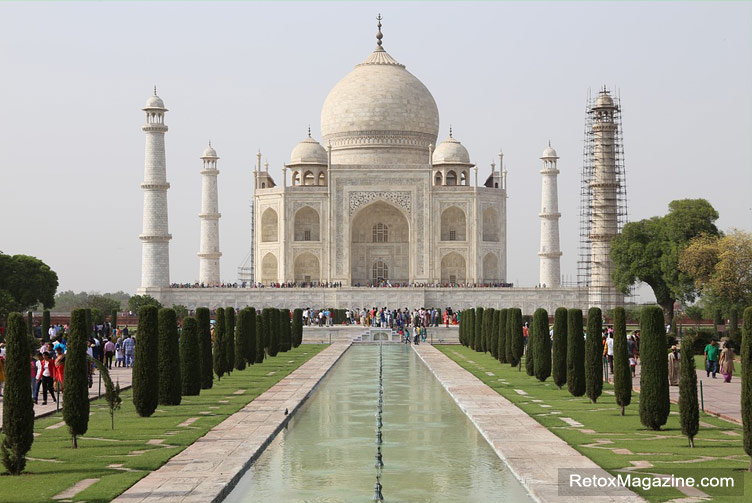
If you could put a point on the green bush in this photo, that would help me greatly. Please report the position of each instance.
(230, 335)
(146, 362)
(529, 350)
(274, 329)
(190, 357)
(594, 355)
(266, 314)
(689, 409)
(297, 327)
(478, 330)
(654, 391)
(250, 344)
(517, 339)
(542, 345)
(493, 345)
(205, 347)
(219, 346)
(469, 314)
(169, 358)
(18, 409)
(285, 343)
(559, 359)
(746, 377)
(622, 372)
(259, 339)
(76, 378)
(502, 339)
(241, 339)
(575, 353)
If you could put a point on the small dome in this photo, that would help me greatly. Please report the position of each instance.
(209, 152)
(309, 151)
(549, 153)
(604, 99)
(154, 101)
(450, 151)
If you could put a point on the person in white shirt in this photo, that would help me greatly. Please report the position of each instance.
(44, 377)
(610, 352)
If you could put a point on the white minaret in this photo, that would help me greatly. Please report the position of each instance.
(550, 254)
(208, 271)
(155, 240)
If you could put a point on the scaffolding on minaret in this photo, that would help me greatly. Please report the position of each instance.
(247, 266)
(584, 260)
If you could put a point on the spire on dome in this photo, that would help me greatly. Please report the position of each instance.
(450, 131)
(309, 130)
(379, 35)
(155, 90)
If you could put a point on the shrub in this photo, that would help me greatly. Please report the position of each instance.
(529, 349)
(746, 377)
(594, 355)
(285, 333)
(463, 328)
(622, 372)
(205, 347)
(169, 358)
(501, 352)
(469, 314)
(493, 345)
(230, 335)
(542, 345)
(241, 339)
(259, 339)
(219, 346)
(297, 327)
(251, 345)
(76, 378)
(146, 362)
(190, 357)
(559, 359)
(517, 340)
(654, 391)
(266, 314)
(274, 329)
(478, 330)
(575, 353)
(18, 409)
(689, 410)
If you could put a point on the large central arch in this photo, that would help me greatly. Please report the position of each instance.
(379, 233)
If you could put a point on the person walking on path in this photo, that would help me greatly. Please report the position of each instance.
(129, 348)
(727, 362)
(45, 372)
(610, 352)
(673, 367)
(711, 358)
(59, 367)
(109, 352)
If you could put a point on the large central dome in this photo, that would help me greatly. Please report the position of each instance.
(380, 105)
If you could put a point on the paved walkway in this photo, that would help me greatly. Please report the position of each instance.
(209, 468)
(531, 451)
(118, 374)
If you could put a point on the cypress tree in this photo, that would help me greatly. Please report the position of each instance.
(45, 326)
(169, 358)
(18, 409)
(146, 362)
(622, 372)
(230, 337)
(746, 377)
(542, 345)
(575, 353)
(89, 326)
(516, 339)
(259, 339)
(274, 329)
(76, 378)
(559, 361)
(502, 340)
(219, 346)
(654, 392)
(594, 355)
(462, 327)
(205, 347)
(508, 337)
(190, 357)
(30, 327)
(285, 343)
(241, 340)
(297, 327)
(251, 334)
(470, 330)
(689, 409)
(529, 351)
(488, 316)
(266, 314)
(494, 338)
(478, 330)
(114, 320)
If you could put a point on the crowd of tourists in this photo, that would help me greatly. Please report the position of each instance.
(339, 284)
(383, 317)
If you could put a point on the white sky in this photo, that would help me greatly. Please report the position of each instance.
(254, 75)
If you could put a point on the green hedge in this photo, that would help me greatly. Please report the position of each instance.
(146, 362)
(169, 358)
(654, 391)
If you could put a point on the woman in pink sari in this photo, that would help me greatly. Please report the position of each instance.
(726, 362)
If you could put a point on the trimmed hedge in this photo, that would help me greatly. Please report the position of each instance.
(169, 358)
(542, 345)
(746, 377)
(259, 339)
(76, 378)
(654, 391)
(190, 358)
(478, 330)
(575, 353)
(594, 355)
(146, 362)
(230, 336)
(297, 327)
(205, 347)
(241, 340)
(515, 336)
(622, 372)
(494, 337)
(559, 358)
(219, 346)
(502, 340)
(689, 409)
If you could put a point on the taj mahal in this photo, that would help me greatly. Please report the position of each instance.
(382, 210)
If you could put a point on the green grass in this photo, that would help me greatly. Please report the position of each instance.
(56, 466)
(667, 450)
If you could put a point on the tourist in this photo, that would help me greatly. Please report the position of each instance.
(35, 359)
(129, 348)
(2, 369)
(727, 362)
(673, 366)
(109, 352)
(59, 367)
(119, 354)
(711, 358)
(45, 373)
(609, 351)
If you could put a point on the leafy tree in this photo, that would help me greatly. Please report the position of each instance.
(695, 314)
(478, 330)
(746, 360)
(170, 383)
(297, 327)
(205, 347)
(190, 358)
(136, 302)
(689, 409)
(180, 311)
(230, 337)
(502, 340)
(220, 358)
(648, 251)
(575, 353)
(494, 337)
(559, 363)
(102, 303)
(594, 354)
(259, 339)
(542, 345)
(146, 362)
(76, 378)
(622, 372)
(18, 409)
(25, 282)
(515, 336)
(654, 392)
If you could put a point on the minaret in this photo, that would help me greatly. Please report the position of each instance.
(208, 271)
(550, 254)
(155, 240)
(603, 203)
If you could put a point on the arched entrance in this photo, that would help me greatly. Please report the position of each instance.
(307, 268)
(453, 268)
(380, 245)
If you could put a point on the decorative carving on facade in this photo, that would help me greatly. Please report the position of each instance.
(403, 199)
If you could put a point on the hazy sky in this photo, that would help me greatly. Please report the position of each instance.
(254, 75)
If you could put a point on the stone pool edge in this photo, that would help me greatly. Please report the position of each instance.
(207, 470)
(532, 452)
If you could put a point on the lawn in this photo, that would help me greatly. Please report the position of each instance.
(613, 441)
(120, 457)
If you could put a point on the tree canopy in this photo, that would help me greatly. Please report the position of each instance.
(138, 301)
(25, 282)
(648, 251)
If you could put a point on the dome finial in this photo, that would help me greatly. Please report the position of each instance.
(549, 143)
(155, 90)
(450, 131)
(379, 35)
(309, 130)
(210, 143)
